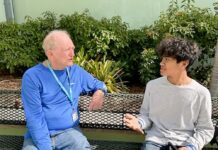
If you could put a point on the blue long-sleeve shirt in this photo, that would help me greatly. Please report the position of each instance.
(47, 108)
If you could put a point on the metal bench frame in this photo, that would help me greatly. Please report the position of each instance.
(109, 119)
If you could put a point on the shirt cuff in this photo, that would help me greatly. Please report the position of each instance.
(141, 123)
(191, 147)
(103, 89)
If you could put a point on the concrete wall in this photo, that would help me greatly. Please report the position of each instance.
(2, 11)
(136, 13)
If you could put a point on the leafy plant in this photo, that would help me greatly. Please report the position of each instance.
(100, 37)
(110, 73)
(107, 71)
(81, 58)
(149, 66)
(99, 44)
(20, 44)
(197, 24)
(80, 26)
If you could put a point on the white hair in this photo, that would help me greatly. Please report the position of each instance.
(50, 39)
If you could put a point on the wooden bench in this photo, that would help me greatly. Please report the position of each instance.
(104, 128)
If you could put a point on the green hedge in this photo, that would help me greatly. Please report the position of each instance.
(20, 44)
(187, 21)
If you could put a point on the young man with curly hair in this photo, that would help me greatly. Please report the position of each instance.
(176, 110)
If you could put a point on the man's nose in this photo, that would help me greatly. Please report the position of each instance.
(72, 53)
(161, 63)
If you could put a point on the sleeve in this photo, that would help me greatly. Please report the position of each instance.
(204, 128)
(91, 84)
(143, 117)
(35, 121)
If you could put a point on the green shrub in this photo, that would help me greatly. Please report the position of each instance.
(110, 39)
(138, 40)
(100, 43)
(101, 38)
(106, 37)
(149, 66)
(80, 27)
(118, 37)
(187, 21)
(20, 44)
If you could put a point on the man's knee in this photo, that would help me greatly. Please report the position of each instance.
(28, 145)
(80, 141)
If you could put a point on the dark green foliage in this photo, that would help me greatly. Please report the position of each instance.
(187, 21)
(106, 37)
(111, 39)
(149, 66)
(20, 44)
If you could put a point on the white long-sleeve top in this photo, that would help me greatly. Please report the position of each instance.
(177, 114)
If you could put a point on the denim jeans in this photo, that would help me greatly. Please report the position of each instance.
(70, 139)
(149, 145)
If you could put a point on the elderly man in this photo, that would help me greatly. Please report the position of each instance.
(50, 94)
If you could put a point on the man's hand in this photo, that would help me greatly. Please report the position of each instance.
(97, 100)
(132, 122)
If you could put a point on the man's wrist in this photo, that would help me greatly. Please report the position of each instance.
(101, 90)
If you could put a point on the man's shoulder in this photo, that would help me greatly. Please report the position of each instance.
(157, 80)
(76, 66)
(33, 69)
(202, 90)
(77, 69)
(155, 83)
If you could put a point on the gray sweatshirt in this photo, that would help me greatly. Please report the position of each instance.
(177, 114)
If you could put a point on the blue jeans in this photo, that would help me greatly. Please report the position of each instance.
(70, 139)
(149, 145)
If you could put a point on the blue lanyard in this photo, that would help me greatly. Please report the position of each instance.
(69, 95)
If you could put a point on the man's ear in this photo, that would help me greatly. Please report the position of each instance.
(48, 53)
(185, 63)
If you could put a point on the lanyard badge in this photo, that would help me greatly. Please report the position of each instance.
(75, 115)
(69, 94)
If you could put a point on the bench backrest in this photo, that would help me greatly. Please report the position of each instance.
(111, 116)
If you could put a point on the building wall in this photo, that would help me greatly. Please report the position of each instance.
(2, 11)
(136, 13)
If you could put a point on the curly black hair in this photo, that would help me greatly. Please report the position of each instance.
(179, 48)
